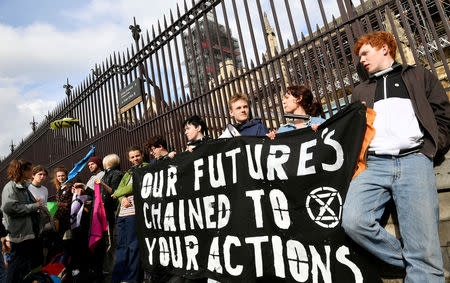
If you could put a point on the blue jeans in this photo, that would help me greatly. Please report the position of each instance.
(410, 182)
(127, 266)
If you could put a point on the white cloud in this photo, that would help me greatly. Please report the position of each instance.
(37, 58)
(17, 112)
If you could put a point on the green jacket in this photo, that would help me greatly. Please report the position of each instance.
(125, 187)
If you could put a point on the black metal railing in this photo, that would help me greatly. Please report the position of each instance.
(192, 62)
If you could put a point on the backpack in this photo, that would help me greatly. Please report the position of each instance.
(56, 269)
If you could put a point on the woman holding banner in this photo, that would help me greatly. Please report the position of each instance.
(300, 102)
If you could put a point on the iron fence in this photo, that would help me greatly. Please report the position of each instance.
(192, 62)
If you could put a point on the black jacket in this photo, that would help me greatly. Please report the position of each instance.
(112, 178)
(430, 104)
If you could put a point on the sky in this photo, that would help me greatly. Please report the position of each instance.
(46, 42)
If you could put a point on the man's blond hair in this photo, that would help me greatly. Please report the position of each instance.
(236, 97)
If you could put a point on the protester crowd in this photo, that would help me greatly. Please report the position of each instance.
(34, 240)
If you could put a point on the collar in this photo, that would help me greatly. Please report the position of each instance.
(247, 124)
(307, 121)
(138, 166)
(164, 156)
(205, 138)
(393, 67)
(23, 185)
(35, 185)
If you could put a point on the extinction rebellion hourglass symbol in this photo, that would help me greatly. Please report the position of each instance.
(324, 206)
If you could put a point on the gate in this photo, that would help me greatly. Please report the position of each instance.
(191, 62)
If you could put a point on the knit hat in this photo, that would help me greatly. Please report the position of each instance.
(97, 161)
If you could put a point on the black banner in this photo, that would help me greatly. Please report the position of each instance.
(253, 209)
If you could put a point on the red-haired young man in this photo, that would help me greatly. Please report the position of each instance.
(412, 129)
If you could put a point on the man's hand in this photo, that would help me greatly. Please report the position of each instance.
(314, 127)
(79, 188)
(98, 181)
(172, 154)
(272, 134)
(126, 202)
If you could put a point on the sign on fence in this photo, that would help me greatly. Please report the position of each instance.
(250, 208)
(130, 95)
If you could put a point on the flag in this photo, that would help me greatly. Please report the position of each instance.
(63, 123)
(80, 165)
(52, 207)
(99, 223)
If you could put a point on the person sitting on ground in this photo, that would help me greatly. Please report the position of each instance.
(299, 100)
(195, 130)
(157, 146)
(22, 220)
(239, 110)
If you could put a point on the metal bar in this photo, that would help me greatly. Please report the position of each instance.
(210, 106)
(436, 38)
(149, 83)
(444, 19)
(407, 31)
(333, 53)
(252, 34)
(116, 89)
(197, 87)
(422, 37)
(230, 42)
(329, 75)
(110, 98)
(164, 127)
(394, 31)
(176, 104)
(157, 96)
(238, 24)
(280, 41)
(343, 54)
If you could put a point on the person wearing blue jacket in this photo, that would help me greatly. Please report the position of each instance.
(299, 100)
(239, 110)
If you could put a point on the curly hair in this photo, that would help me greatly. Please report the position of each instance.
(17, 168)
(312, 108)
(155, 141)
(60, 168)
(377, 40)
